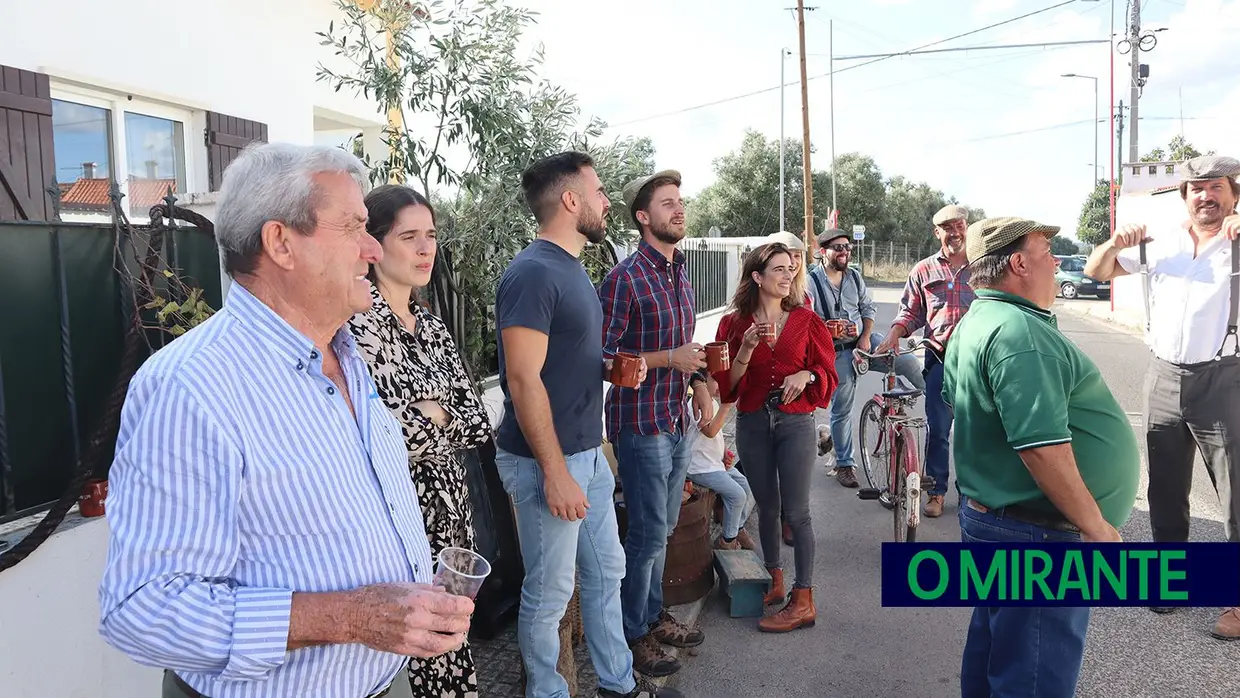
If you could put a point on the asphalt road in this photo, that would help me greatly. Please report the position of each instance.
(859, 648)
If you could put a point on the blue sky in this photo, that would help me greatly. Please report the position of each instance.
(973, 124)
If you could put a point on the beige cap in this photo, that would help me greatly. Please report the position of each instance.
(632, 189)
(787, 239)
(950, 213)
(1207, 167)
(993, 234)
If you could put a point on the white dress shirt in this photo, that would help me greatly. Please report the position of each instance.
(1190, 296)
(240, 479)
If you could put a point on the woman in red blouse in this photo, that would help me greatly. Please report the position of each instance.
(778, 378)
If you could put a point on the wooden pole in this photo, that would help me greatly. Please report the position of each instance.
(807, 175)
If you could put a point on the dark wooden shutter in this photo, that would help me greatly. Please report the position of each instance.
(226, 136)
(27, 157)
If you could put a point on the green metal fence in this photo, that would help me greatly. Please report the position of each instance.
(63, 315)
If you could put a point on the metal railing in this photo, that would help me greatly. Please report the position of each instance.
(706, 262)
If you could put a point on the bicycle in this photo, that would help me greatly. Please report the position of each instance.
(885, 420)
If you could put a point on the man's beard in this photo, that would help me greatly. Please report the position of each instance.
(666, 234)
(1208, 215)
(838, 263)
(592, 226)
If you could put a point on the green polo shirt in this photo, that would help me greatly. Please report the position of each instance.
(1015, 382)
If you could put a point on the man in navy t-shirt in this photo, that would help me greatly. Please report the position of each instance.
(550, 454)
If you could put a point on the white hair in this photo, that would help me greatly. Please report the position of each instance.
(274, 182)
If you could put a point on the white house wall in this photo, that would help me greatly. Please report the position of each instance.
(254, 60)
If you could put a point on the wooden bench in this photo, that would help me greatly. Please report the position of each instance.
(744, 579)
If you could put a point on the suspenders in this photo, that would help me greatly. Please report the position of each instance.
(1235, 301)
(1235, 297)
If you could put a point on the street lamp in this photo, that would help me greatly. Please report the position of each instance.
(1093, 183)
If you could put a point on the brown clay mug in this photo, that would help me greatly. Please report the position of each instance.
(840, 329)
(717, 358)
(625, 369)
(90, 503)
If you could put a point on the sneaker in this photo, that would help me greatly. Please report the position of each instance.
(846, 477)
(651, 659)
(672, 632)
(644, 689)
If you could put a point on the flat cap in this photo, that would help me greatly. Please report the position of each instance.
(830, 235)
(1209, 167)
(787, 239)
(632, 189)
(950, 213)
(993, 234)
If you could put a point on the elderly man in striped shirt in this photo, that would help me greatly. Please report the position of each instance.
(266, 539)
(936, 296)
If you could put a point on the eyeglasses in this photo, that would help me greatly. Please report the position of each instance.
(842, 247)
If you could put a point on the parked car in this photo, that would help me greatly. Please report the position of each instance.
(1072, 280)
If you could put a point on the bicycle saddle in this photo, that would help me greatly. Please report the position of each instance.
(903, 389)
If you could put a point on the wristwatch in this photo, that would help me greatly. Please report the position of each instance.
(813, 378)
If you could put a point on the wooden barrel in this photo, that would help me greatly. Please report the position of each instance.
(689, 573)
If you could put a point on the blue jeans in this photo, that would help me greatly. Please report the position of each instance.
(1019, 651)
(733, 487)
(939, 421)
(845, 393)
(652, 472)
(555, 551)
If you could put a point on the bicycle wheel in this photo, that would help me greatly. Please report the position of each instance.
(873, 447)
(899, 511)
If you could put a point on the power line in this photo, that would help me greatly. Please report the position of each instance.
(755, 93)
(982, 47)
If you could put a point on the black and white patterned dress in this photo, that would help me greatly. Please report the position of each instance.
(409, 367)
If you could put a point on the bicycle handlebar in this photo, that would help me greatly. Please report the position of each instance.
(914, 343)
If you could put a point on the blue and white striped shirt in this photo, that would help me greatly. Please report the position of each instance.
(241, 477)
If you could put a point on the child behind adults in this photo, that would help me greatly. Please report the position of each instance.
(710, 466)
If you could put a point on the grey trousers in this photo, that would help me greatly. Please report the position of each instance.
(1188, 409)
(400, 686)
(778, 452)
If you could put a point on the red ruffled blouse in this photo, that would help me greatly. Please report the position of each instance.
(804, 344)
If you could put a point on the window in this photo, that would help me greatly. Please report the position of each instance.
(99, 138)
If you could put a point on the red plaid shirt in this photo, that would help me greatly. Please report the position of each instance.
(935, 298)
(648, 306)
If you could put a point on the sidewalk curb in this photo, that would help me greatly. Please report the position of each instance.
(1118, 320)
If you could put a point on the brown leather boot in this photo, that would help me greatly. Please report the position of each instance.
(799, 613)
(777, 593)
(934, 507)
(1228, 625)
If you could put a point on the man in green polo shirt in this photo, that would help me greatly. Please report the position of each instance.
(1043, 451)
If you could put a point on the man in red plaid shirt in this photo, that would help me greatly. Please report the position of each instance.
(649, 309)
(936, 296)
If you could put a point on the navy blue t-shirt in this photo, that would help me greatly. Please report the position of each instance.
(546, 289)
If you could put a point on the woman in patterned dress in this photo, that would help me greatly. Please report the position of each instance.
(419, 374)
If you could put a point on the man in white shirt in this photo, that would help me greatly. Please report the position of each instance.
(1190, 390)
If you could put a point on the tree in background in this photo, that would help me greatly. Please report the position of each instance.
(1178, 150)
(1062, 245)
(744, 199)
(1093, 227)
(454, 63)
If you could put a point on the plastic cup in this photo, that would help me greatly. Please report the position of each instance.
(461, 571)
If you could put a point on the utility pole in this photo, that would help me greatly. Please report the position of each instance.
(1134, 41)
(783, 53)
(807, 175)
(1119, 139)
(831, 43)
